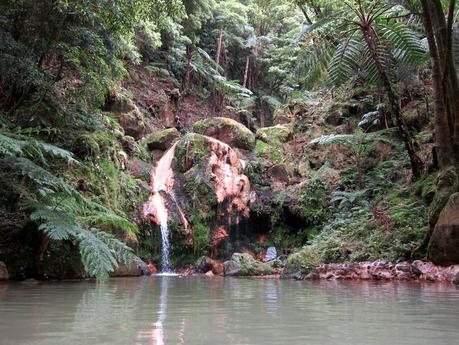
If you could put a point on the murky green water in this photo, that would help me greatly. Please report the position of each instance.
(173, 310)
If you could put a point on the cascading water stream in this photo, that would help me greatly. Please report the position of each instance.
(165, 264)
(162, 181)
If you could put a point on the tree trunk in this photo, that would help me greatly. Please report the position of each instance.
(262, 114)
(40, 255)
(394, 103)
(246, 73)
(444, 147)
(219, 47)
(186, 83)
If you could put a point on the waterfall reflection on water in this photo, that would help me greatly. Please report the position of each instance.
(200, 311)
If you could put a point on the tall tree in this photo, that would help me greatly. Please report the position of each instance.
(444, 76)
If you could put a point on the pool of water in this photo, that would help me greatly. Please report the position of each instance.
(217, 311)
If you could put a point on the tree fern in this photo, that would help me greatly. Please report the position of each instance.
(61, 211)
(100, 251)
(406, 47)
(346, 59)
(339, 47)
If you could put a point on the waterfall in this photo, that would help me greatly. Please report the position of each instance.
(165, 264)
(162, 182)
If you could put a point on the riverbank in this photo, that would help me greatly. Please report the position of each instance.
(379, 270)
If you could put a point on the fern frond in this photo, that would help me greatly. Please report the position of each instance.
(56, 224)
(34, 172)
(330, 139)
(405, 46)
(345, 61)
(10, 146)
(17, 145)
(314, 60)
(100, 252)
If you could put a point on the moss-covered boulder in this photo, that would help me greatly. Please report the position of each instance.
(444, 243)
(275, 134)
(447, 184)
(162, 140)
(243, 264)
(299, 264)
(226, 130)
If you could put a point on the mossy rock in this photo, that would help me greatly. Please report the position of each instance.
(275, 134)
(162, 140)
(226, 130)
(447, 184)
(269, 151)
(192, 150)
(243, 264)
(300, 263)
(444, 244)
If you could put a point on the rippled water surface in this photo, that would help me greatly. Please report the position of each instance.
(174, 310)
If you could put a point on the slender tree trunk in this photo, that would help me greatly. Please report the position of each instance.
(40, 255)
(394, 103)
(219, 47)
(246, 73)
(186, 83)
(262, 114)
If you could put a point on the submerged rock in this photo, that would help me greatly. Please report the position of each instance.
(3, 272)
(243, 264)
(226, 130)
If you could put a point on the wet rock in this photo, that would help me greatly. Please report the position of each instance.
(226, 130)
(271, 254)
(242, 264)
(444, 244)
(298, 276)
(231, 268)
(456, 279)
(313, 275)
(216, 167)
(162, 140)
(135, 269)
(3, 272)
(207, 264)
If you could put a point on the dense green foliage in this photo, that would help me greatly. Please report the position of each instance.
(338, 78)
